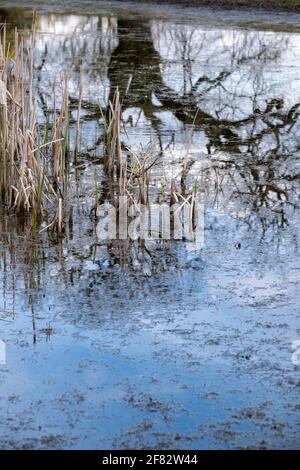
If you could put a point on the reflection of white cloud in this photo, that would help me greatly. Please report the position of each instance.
(68, 42)
(66, 24)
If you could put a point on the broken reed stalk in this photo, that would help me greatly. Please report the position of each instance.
(77, 140)
(60, 135)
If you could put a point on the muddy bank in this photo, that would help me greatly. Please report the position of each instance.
(287, 5)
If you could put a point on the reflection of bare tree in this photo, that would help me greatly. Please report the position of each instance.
(263, 191)
(227, 94)
(220, 81)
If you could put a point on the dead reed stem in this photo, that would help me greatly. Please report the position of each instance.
(77, 138)
(60, 136)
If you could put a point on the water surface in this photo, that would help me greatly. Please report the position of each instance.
(121, 347)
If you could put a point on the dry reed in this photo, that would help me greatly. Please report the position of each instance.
(24, 180)
(21, 168)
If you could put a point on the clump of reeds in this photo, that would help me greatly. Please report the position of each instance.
(112, 135)
(25, 185)
(128, 169)
(59, 157)
(140, 170)
(129, 174)
(115, 163)
(21, 169)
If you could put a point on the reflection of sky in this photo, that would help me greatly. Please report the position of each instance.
(66, 43)
(174, 338)
(187, 53)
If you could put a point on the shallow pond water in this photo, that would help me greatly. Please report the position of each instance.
(113, 346)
